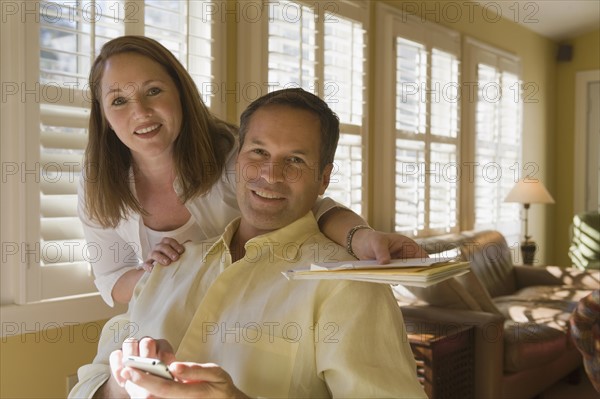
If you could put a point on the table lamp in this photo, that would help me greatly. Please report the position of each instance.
(529, 191)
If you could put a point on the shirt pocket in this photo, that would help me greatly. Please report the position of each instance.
(261, 364)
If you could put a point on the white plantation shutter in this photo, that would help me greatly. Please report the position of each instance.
(346, 184)
(323, 51)
(63, 250)
(497, 140)
(411, 75)
(445, 95)
(63, 139)
(427, 123)
(185, 28)
(486, 195)
(344, 92)
(292, 46)
(443, 187)
(165, 21)
(344, 67)
(70, 36)
(411, 112)
(410, 188)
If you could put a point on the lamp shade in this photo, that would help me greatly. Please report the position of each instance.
(529, 191)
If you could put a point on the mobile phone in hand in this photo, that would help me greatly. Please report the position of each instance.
(149, 365)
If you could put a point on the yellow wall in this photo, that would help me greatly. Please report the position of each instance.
(586, 56)
(36, 365)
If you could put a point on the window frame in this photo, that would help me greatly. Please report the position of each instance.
(21, 279)
(432, 37)
(476, 52)
(384, 119)
(390, 21)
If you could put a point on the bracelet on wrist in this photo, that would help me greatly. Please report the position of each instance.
(351, 235)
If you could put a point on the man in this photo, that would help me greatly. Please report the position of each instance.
(226, 302)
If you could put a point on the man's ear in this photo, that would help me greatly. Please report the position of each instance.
(325, 178)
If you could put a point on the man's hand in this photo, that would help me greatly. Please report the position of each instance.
(373, 244)
(146, 347)
(193, 380)
(115, 386)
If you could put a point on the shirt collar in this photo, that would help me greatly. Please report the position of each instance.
(223, 241)
(283, 243)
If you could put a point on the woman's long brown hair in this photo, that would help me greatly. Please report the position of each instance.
(199, 154)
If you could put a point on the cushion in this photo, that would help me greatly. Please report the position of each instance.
(448, 294)
(529, 345)
(462, 292)
(491, 261)
(404, 297)
(545, 305)
(475, 288)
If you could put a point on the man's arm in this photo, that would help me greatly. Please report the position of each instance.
(95, 379)
(370, 355)
(109, 390)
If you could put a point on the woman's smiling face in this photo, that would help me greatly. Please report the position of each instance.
(142, 104)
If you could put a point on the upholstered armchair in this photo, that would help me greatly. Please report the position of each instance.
(520, 313)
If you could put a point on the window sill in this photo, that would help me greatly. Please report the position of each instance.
(60, 313)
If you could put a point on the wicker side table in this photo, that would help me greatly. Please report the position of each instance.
(445, 359)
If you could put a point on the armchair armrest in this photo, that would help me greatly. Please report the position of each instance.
(489, 341)
(432, 314)
(527, 276)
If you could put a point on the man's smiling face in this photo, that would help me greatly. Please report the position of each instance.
(278, 168)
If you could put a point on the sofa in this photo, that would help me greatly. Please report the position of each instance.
(519, 313)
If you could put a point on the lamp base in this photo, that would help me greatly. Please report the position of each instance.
(528, 249)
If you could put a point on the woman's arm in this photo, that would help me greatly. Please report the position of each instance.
(110, 256)
(122, 291)
(366, 243)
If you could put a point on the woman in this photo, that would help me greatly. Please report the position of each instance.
(159, 171)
